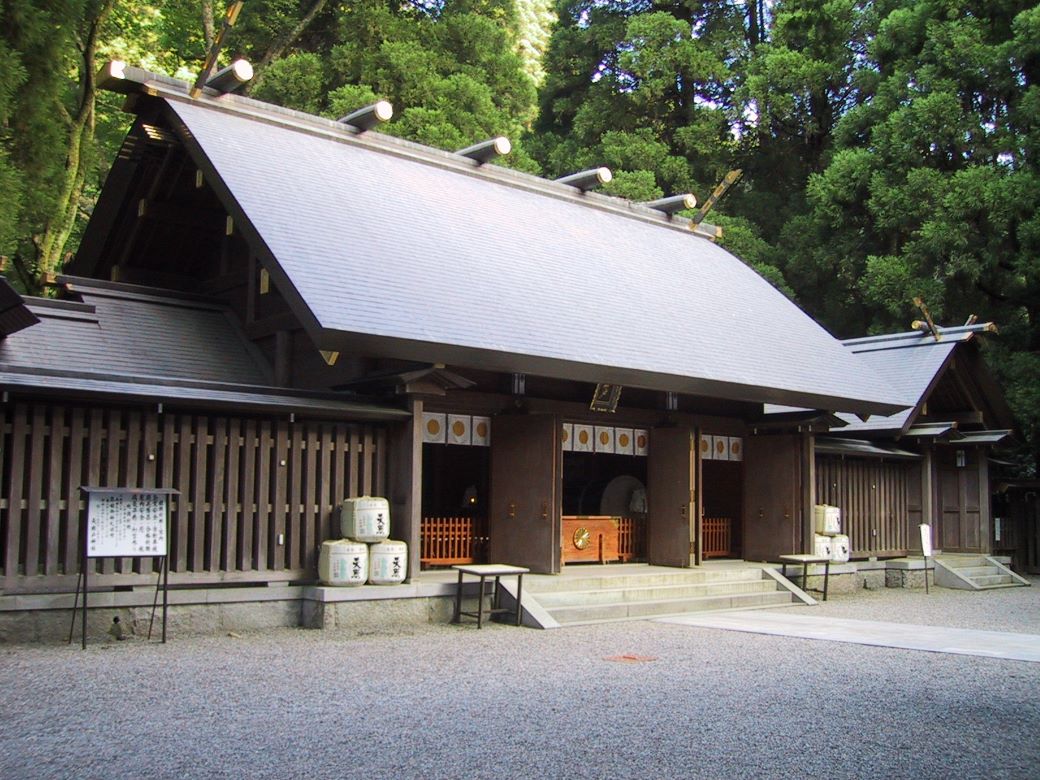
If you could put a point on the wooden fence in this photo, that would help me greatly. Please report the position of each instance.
(718, 537)
(445, 541)
(257, 495)
(880, 501)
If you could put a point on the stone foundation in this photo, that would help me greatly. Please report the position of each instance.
(372, 617)
(904, 578)
(52, 625)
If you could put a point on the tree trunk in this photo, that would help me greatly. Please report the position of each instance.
(80, 134)
(209, 27)
(278, 47)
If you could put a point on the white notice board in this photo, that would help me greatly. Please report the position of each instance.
(121, 523)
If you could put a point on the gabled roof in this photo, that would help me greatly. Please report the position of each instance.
(14, 315)
(914, 363)
(119, 342)
(391, 249)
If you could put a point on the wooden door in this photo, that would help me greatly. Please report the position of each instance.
(526, 474)
(773, 497)
(961, 498)
(671, 497)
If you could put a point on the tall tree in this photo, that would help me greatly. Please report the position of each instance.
(49, 131)
(933, 185)
(451, 69)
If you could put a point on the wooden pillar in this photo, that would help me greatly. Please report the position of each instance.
(985, 503)
(404, 482)
(808, 477)
(928, 503)
(698, 504)
(282, 358)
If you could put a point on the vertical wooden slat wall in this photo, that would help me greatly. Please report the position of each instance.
(874, 498)
(256, 495)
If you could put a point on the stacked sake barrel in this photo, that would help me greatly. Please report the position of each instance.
(366, 553)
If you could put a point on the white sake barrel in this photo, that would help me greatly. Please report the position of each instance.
(387, 563)
(822, 546)
(839, 548)
(365, 518)
(343, 562)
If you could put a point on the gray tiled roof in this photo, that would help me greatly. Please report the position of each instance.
(118, 345)
(910, 363)
(416, 256)
(119, 334)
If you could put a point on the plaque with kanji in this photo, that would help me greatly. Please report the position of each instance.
(122, 523)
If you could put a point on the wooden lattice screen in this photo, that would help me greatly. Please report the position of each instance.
(257, 495)
(718, 537)
(446, 541)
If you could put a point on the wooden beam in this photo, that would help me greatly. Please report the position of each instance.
(268, 326)
(210, 220)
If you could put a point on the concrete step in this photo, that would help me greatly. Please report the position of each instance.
(976, 571)
(601, 581)
(992, 580)
(560, 598)
(632, 610)
(972, 572)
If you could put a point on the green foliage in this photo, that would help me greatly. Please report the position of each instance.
(295, 81)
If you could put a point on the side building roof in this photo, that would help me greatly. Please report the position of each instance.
(913, 363)
(118, 342)
(388, 248)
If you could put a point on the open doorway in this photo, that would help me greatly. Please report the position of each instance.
(723, 482)
(454, 505)
(604, 508)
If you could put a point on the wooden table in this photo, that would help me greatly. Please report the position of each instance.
(485, 570)
(805, 560)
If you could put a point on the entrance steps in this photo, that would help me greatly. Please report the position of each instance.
(975, 572)
(606, 594)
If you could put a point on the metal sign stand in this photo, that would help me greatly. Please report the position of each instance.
(124, 522)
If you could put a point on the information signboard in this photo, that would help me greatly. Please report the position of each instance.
(126, 524)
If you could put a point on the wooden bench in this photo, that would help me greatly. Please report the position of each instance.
(805, 560)
(485, 570)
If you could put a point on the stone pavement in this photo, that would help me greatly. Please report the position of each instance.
(936, 639)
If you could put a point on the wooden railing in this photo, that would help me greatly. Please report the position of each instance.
(718, 537)
(631, 539)
(445, 541)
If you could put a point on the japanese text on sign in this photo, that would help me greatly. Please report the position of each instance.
(126, 524)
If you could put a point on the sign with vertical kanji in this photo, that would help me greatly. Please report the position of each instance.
(122, 523)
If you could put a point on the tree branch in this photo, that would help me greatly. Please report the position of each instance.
(209, 28)
(278, 47)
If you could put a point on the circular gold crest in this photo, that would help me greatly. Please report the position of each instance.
(458, 428)
(582, 537)
(433, 426)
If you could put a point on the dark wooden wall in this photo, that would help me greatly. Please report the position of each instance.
(242, 482)
(880, 502)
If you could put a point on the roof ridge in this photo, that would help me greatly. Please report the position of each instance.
(168, 88)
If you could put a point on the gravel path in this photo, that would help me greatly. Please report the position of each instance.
(451, 702)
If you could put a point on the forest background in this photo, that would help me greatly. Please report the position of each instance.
(889, 147)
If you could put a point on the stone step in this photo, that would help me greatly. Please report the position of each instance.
(965, 562)
(601, 581)
(971, 572)
(559, 598)
(993, 580)
(645, 609)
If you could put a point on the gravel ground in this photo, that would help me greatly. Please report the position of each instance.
(451, 702)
